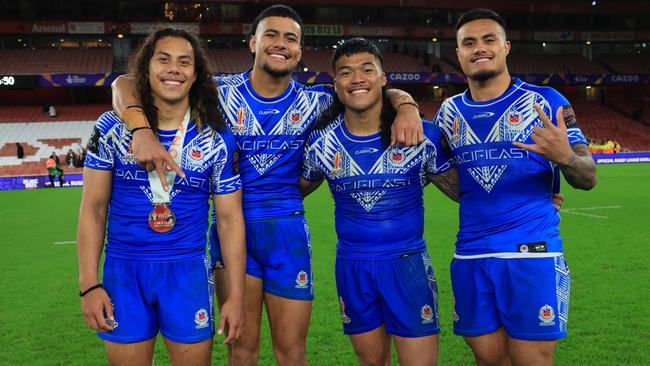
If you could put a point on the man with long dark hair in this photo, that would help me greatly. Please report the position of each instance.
(156, 275)
(270, 115)
(509, 142)
(384, 275)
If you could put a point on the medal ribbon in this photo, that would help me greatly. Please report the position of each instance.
(176, 152)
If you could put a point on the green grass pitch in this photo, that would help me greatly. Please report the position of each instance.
(607, 240)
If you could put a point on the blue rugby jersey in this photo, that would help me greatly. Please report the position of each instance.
(270, 135)
(377, 190)
(505, 191)
(207, 160)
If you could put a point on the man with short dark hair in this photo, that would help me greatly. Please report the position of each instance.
(509, 142)
(384, 276)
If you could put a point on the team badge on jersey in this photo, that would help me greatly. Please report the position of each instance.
(337, 161)
(196, 153)
(514, 118)
(201, 318)
(301, 279)
(397, 156)
(546, 315)
(346, 319)
(427, 314)
(293, 122)
(240, 126)
(295, 116)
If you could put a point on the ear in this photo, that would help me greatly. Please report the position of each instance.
(252, 42)
(384, 81)
(507, 47)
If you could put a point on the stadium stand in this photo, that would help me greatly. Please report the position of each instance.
(600, 122)
(53, 61)
(230, 61)
(520, 63)
(41, 135)
(627, 63)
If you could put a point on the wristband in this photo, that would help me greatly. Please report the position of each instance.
(139, 128)
(84, 293)
(411, 102)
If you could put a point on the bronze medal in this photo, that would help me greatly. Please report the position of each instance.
(161, 218)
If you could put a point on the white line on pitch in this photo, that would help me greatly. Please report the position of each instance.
(590, 208)
(584, 214)
(64, 242)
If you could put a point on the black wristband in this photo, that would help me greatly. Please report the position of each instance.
(83, 293)
(140, 128)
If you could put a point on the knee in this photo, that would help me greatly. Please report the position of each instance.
(488, 357)
(293, 354)
(243, 354)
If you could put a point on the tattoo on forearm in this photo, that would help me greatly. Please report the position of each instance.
(447, 183)
(580, 172)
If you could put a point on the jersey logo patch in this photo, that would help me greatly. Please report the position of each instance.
(487, 176)
(201, 318)
(368, 199)
(346, 319)
(301, 279)
(546, 315)
(240, 127)
(427, 314)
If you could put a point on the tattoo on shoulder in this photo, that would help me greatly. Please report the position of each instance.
(569, 116)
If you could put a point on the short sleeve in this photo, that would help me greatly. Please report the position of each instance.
(225, 174)
(437, 159)
(310, 169)
(100, 153)
(574, 133)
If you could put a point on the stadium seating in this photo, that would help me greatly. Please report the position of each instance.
(627, 63)
(600, 122)
(41, 135)
(56, 61)
(429, 108)
(230, 61)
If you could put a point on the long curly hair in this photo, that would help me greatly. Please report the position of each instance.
(203, 94)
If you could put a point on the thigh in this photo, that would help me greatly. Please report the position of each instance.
(491, 348)
(531, 353)
(185, 300)
(360, 302)
(288, 319)
(126, 281)
(189, 354)
(410, 295)
(130, 354)
(372, 347)
(419, 351)
(475, 308)
(282, 247)
(533, 297)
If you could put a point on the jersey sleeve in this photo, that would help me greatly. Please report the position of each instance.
(225, 174)
(574, 133)
(310, 169)
(437, 160)
(100, 152)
